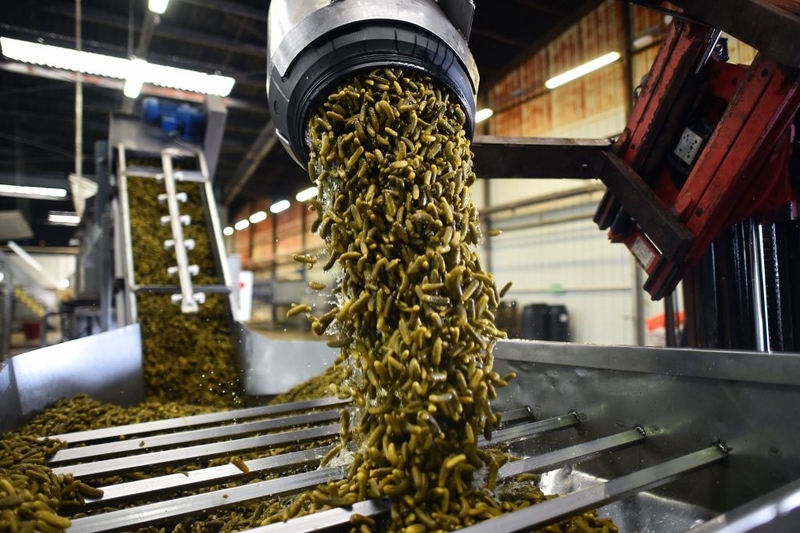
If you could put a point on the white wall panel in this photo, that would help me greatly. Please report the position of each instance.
(573, 264)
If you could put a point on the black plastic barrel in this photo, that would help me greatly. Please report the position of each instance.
(535, 322)
(559, 323)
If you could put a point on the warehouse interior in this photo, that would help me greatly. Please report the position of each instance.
(637, 170)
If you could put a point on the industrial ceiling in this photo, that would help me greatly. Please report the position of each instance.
(37, 104)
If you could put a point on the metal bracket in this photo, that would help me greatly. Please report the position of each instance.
(461, 13)
(188, 300)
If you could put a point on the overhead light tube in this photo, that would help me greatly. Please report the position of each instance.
(116, 67)
(24, 191)
(483, 114)
(228, 231)
(279, 207)
(135, 79)
(582, 70)
(306, 194)
(259, 216)
(241, 225)
(158, 6)
(63, 218)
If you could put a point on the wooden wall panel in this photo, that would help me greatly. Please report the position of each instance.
(646, 21)
(525, 107)
(290, 230)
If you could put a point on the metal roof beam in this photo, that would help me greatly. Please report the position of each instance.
(150, 90)
(167, 59)
(231, 8)
(261, 147)
(499, 38)
(35, 180)
(164, 30)
(548, 7)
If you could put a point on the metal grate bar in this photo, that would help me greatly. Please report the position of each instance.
(157, 173)
(193, 436)
(193, 421)
(572, 454)
(516, 415)
(204, 477)
(534, 517)
(169, 289)
(218, 474)
(157, 512)
(149, 514)
(535, 428)
(201, 451)
(326, 520)
(548, 512)
(339, 517)
(764, 514)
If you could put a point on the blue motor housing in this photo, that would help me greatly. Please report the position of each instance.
(176, 120)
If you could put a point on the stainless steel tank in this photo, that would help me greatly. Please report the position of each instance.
(313, 44)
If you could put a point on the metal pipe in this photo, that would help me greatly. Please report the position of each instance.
(151, 20)
(168, 424)
(545, 198)
(200, 451)
(627, 35)
(188, 303)
(638, 303)
(638, 276)
(564, 290)
(572, 454)
(155, 512)
(78, 98)
(125, 250)
(669, 321)
(216, 228)
(6, 292)
(152, 442)
(205, 476)
(758, 287)
(547, 222)
(34, 265)
(548, 512)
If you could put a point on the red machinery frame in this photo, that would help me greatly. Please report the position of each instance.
(668, 219)
(741, 170)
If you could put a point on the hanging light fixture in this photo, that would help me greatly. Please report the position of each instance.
(582, 70)
(116, 67)
(279, 207)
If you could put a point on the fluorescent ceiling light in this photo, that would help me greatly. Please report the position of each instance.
(135, 79)
(242, 224)
(132, 88)
(23, 191)
(228, 231)
(483, 114)
(582, 70)
(64, 218)
(158, 6)
(279, 207)
(115, 67)
(64, 284)
(644, 40)
(306, 194)
(259, 216)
